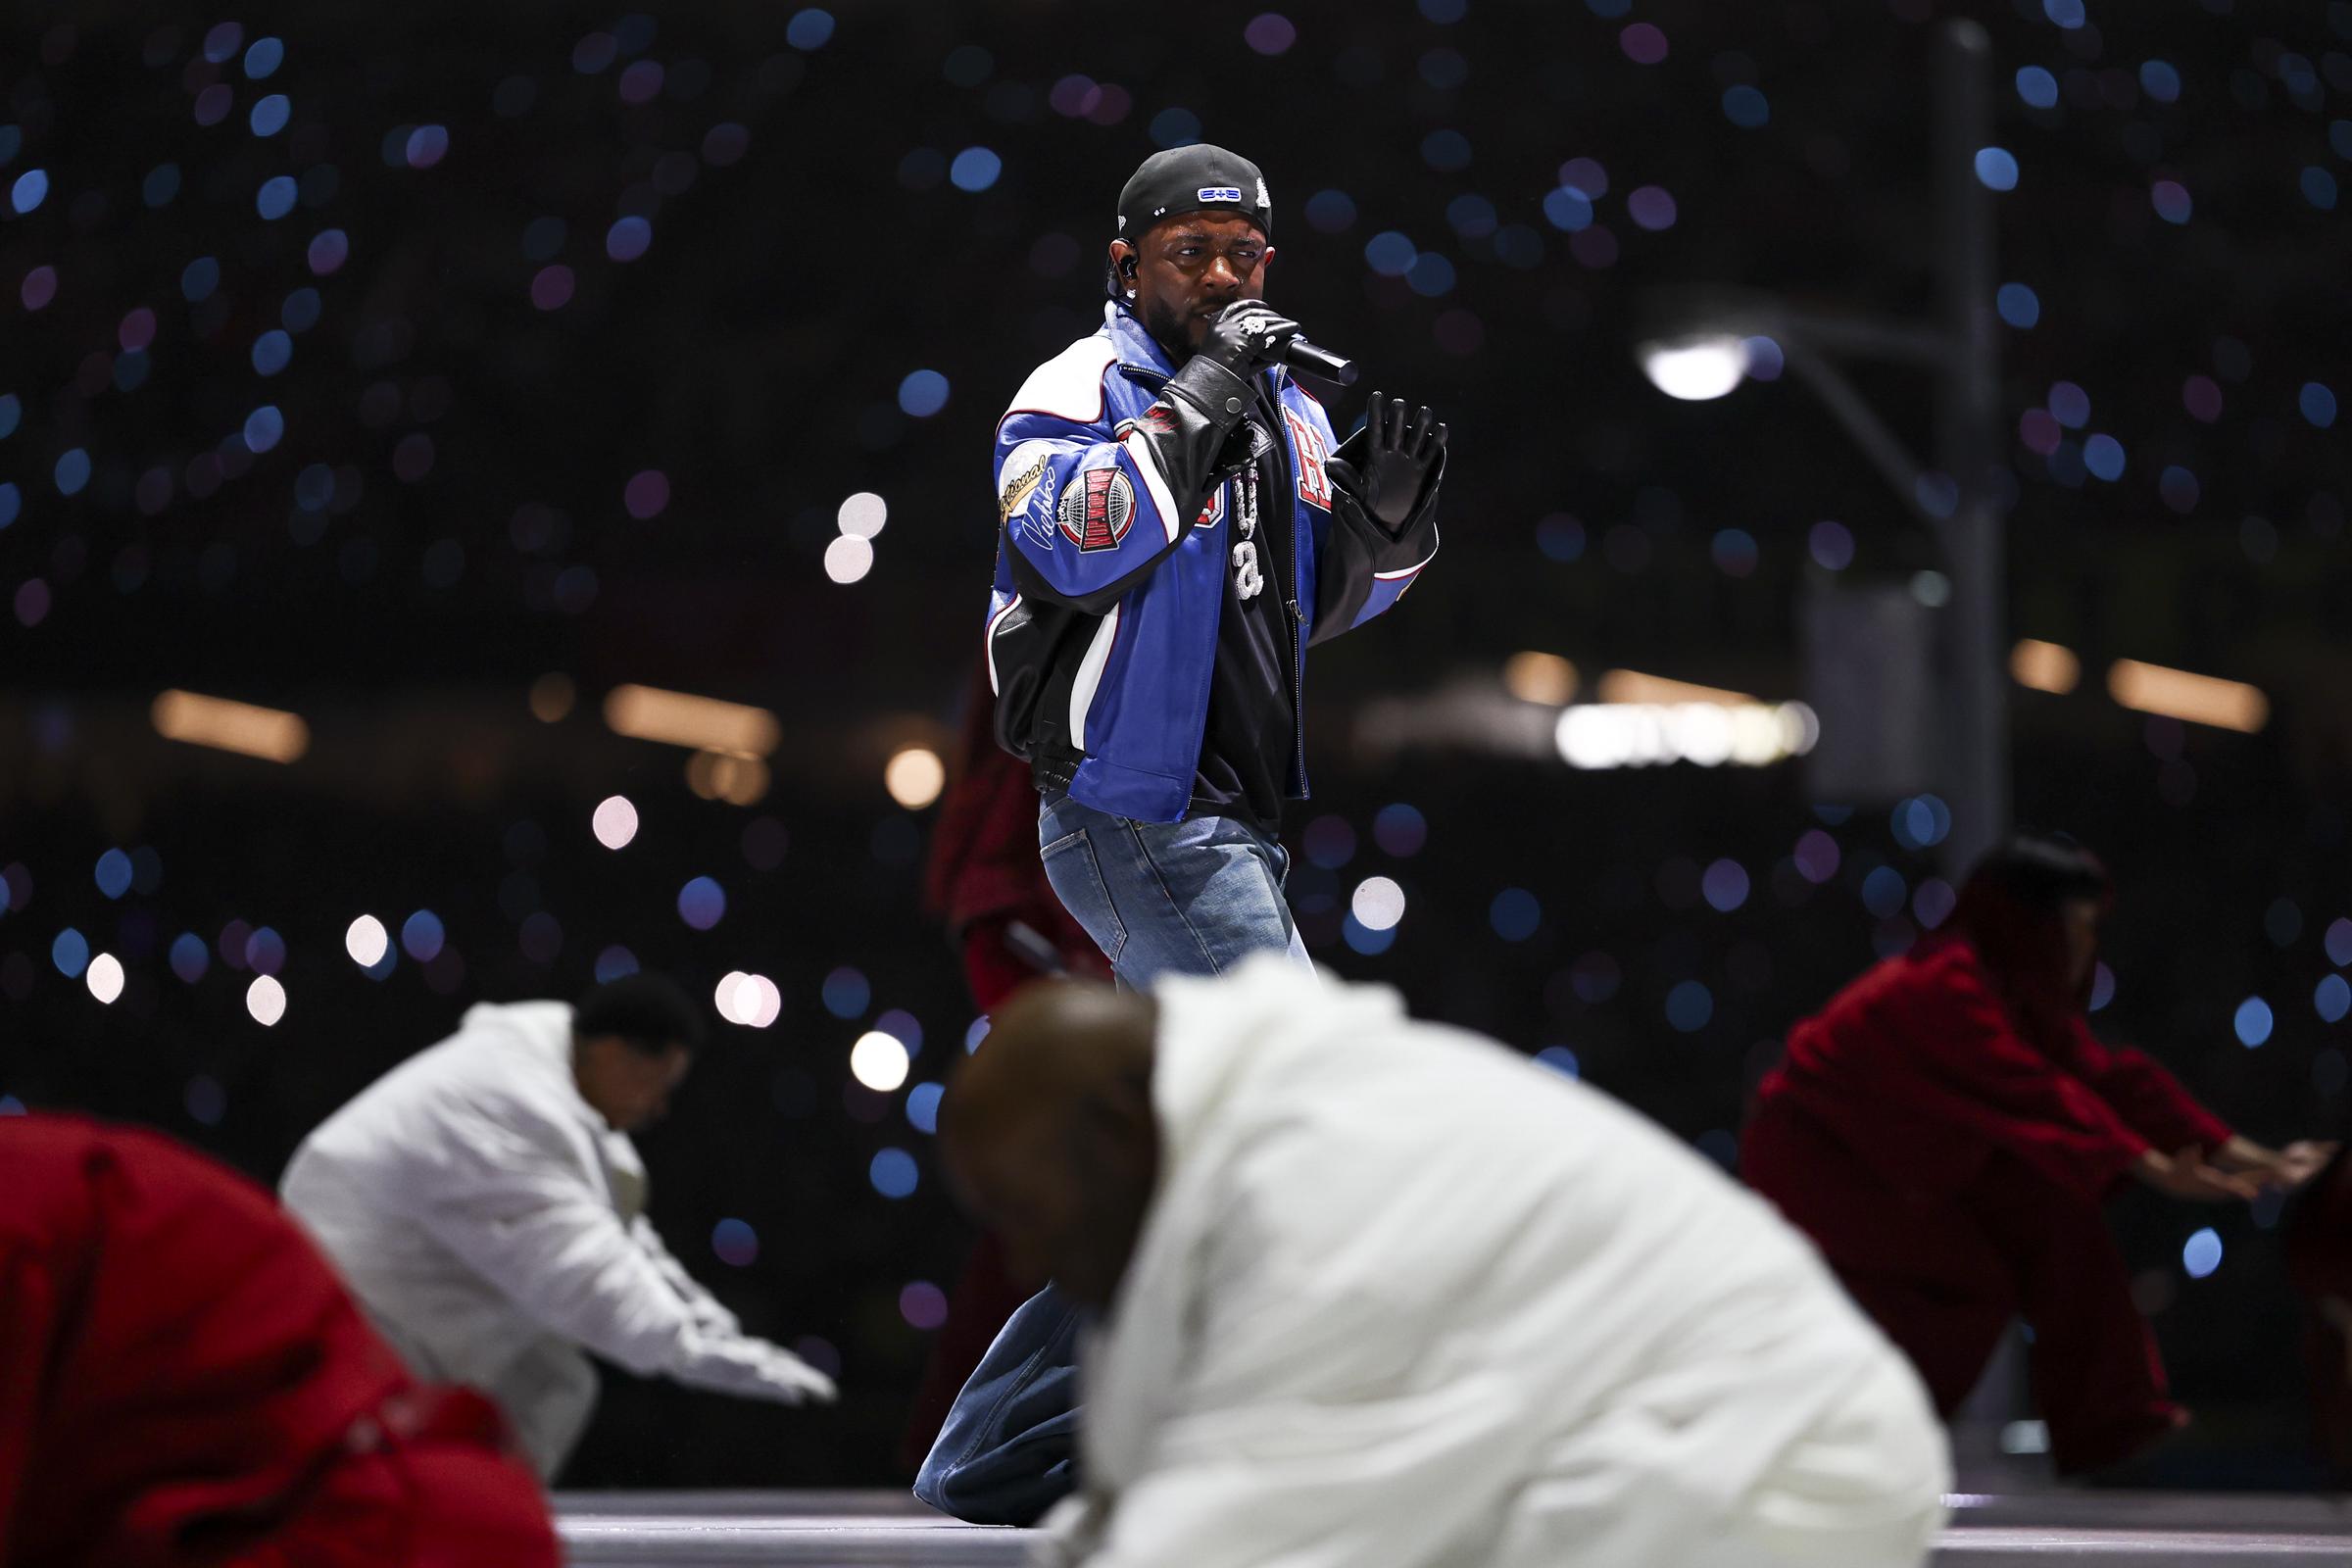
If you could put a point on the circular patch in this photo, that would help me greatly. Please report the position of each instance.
(1097, 508)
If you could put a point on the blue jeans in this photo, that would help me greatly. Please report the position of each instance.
(1191, 898)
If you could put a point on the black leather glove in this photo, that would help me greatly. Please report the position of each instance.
(1385, 463)
(1243, 338)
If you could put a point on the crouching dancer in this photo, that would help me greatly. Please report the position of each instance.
(1370, 1291)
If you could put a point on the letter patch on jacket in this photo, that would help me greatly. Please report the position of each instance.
(1097, 508)
(1020, 490)
(1315, 485)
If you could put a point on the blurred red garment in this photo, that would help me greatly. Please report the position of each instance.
(984, 875)
(1945, 1131)
(985, 880)
(183, 1380)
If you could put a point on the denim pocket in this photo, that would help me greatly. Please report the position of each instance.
(1077, 880)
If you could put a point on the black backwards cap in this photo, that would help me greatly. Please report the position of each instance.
(1200, 178)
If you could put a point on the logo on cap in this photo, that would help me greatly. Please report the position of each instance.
(1218, 193)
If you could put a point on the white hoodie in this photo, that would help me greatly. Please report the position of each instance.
(1404, 1299)
(489, 1221)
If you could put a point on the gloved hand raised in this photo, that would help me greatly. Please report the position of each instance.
(1385, 463)
(751, 1369)
(1243, 339)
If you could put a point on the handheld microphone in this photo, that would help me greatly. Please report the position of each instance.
(1316, 361)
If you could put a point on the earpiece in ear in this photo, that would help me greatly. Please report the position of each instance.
(1127, 268)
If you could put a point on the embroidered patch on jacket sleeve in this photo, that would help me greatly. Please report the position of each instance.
(1315, 485)
(1097, 508)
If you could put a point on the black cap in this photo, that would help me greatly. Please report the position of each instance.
(1194, 179)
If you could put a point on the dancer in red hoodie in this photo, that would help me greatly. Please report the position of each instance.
(184, 1384)
(1947, 1128)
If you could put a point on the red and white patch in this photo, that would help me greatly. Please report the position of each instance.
(1097, 508)
(1307, 445)
(1214, 513)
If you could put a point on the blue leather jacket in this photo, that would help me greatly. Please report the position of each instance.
(1111, 559)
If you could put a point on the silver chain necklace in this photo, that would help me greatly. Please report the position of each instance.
(1247, 582)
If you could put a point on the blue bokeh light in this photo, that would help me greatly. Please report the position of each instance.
(893, 1173)
(422, 935)
(1689, 1006)
(2252, 1022)
(2201, 1254)
(975, 169)
(1515, 914)
(71, 952)
(845, 993)
(735, 1243)
(2331, 999)
(1747, 106)
(809, 29)
(923, 393)
(112, 874)
(273, 351)
(702, 903)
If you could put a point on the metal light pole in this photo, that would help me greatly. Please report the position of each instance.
(1968, 435)
(1959, 500)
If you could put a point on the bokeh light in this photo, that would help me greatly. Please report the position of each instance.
(914, 778)
(702, 903)
(367, 941)
(615, 822)
(265, 1000)
(893, 1173)
(879, 1062)
(104, 977)
(1377, 904)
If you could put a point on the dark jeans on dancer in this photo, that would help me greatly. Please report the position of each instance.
(1944, 1274)
(1193, 898)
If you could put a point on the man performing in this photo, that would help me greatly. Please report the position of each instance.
(1380, 1293)
(486, 1206)
(1176, 525)
(186, 1383)
(1946, 1129)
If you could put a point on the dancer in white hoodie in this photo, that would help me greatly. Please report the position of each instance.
(1378, 1294)
(487, 1209)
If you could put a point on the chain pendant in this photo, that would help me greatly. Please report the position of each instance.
(1247, 582)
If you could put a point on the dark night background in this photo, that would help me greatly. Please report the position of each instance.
(447, 505)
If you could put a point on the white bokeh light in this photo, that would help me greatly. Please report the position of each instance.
(878, 1061)
(1696, 368)
(266, 1000)
(863, 515)
(914, 778)
(849, 559)
(723, 997)
(367, 941)
(757, 1002)
(104, 977)
(1378, 903)
(750, 999)
(615, 822)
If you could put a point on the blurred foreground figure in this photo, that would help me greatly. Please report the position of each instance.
(184, 1381)
(1947, 1128)
(487, 1207)
(1377, 1292)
